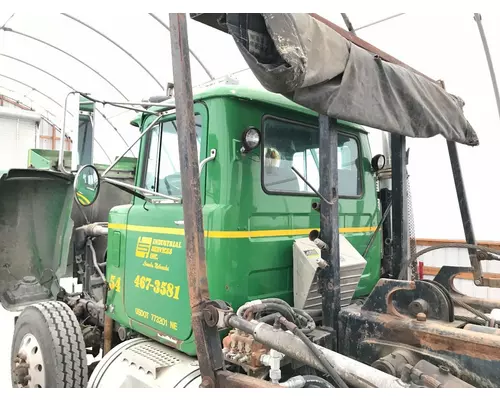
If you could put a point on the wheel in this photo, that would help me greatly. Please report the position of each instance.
(48, 350)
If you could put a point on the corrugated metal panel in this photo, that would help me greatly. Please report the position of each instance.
(460, 257)
(16, 137)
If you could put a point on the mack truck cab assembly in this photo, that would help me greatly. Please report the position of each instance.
(255, 241)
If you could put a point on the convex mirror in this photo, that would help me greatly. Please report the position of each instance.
(87, 185)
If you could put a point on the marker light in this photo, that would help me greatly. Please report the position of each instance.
(251, 139)
(378, 162)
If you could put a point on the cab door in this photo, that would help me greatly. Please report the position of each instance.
(155, 279)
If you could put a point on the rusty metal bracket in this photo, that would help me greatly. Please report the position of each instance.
(448, 273)
(215, 313)
(409, 298)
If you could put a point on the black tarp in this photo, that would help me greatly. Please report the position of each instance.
(313, 65)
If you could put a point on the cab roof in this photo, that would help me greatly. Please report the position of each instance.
(252, 94)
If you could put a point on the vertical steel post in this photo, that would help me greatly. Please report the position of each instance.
(464, 211)
(470, 238)
(348, 23)
(478, 19)
(399, 206)
(329, 278)
(208, 346)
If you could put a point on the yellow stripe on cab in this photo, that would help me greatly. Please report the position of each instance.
(234, 234)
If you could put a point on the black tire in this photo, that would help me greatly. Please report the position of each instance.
(55, 327)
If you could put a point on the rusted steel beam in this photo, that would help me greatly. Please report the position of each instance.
(472, 356)
(226, 379)
(442, 338)
(9, 100)
(108, 334)
(367, 46)
(208, 346)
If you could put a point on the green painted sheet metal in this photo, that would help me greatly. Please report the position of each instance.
(48, 159)
(84, 106)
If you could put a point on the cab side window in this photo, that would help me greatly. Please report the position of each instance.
(162, 172)
(152, 161)
(288, 144)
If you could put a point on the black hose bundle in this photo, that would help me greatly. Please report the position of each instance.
(276, 307)
(315, 351)
(270, 307)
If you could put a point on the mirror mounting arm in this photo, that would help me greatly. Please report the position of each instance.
(139, 189)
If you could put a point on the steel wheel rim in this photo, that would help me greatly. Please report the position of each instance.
(30, 354)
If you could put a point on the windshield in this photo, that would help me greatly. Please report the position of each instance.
(163, 167)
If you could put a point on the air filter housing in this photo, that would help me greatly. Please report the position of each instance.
(305, 267)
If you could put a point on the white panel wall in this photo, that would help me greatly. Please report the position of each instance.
(16, 137)
(18, 130)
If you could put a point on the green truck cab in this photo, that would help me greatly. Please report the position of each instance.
(254, 207)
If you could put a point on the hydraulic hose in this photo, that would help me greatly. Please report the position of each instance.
(316, 381)
(299, 317)
(486, 253)
(471, 309)
(242, 309)
(317, 353)
(475, 321)
(276, 300)
(309, 321)
(94, 258)
(270, 318)
(307, 381)
(284, 311)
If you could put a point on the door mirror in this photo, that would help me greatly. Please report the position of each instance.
(87, 185)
